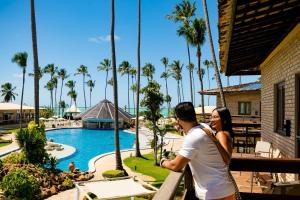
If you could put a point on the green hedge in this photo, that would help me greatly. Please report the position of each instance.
(113, 174)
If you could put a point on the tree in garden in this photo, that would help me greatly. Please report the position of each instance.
(153, 100)
(132, 72)
(176, 68)
(62, 74)
(51, 69)
(71, 85)
(91, 85)
(105, 65)
(73, 96)
(50, 87)
(166, 75)
(148, 71)
(62, 105)
(83, 70)
(7, 91)
(124, 69)
(55, 84)
(21, 60)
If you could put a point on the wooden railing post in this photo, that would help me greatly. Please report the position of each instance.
(189, 192)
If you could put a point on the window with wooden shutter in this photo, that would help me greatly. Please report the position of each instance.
(280, 107)
(244, 108)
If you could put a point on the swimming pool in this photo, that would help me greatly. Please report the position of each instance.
(88, 144)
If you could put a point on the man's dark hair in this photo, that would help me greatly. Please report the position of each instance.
(186, 112)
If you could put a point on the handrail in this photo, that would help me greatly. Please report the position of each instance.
(168, 189)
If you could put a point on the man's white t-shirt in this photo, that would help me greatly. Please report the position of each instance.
(208, 168)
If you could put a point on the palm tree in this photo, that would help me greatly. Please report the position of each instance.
(71, 85)
(55, 84)
(91, 85)
(7, 91)
(50, 86)
(73, 96)
(137, 143)
(105, 65)
(183, 12)
(62, 105)
(110, 82)
(40, 73)
(213, 55)
(35, 64)
(165, 75)
(148, 71)
(176, 68)
(191, 67)
(21, 60)
(50, 69)
(84, 71)
(197, 39)
(119, 165)
(62, 74)
(207, 63)
(124, 68)
(133, 88)
(132, 72)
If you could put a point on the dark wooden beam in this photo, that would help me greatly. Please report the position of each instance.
(259, 196)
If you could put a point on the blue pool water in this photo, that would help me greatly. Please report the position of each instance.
(88, 144)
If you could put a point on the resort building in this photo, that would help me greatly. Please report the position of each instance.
(263, 38)
(102, 116)
(10, 113)
(242, 100)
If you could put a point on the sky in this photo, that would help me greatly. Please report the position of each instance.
(75, 32)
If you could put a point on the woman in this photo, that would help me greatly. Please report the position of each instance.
(222, 125)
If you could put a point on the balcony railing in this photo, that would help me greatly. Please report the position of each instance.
(170, 186)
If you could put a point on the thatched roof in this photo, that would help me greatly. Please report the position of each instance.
(250, 29)
(13, 106)
(103, 111)
(247, 87)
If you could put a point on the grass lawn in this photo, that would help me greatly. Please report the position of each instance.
(4, 143)
(146, 166)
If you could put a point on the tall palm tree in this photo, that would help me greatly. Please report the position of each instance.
(71, 85)
(119, 165)
(207, 63)
(62, 105)
(165, 75)
(62, 74)
(183, 12)
(73, 96)
(148, 71)
(7, 91)
(176, 68)
(137, 143)
(35, 64)
(55, 84)
(110, 82)
(213, 54)
(50, 86)
(133, 88)
(191, 67)
(91, 85)
(197, 40)
(21, 60)
(84, 71)
(50, 69)
(132, 72)
(105, 65)
(124, 69)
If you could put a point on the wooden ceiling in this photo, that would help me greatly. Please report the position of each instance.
(250, 29)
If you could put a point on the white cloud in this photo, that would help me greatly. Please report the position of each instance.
(101, 39)
(20, 75)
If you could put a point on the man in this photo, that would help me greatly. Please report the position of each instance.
(209, 171)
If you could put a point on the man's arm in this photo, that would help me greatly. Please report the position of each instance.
(176, 164)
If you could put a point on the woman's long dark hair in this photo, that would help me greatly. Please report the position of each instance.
(225, 117)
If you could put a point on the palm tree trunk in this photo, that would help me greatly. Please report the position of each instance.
(55, 104)
(190, 72)
(133, 100)
(228, 81)
(128, 92)
(21, 109)
(213, 55)
(137, 143)
(201, 81)
(167, 95)
(208, 79)
(115, 86)
(182, 89)
(62, 83)
(90, 97)
(194, 90)
(83, 84)
(35, 63)
(178, 91)
(106, 83)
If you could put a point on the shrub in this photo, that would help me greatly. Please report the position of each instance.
(52, 163)
(68, 183)
(113, 173)
(32, 125)
(19, 184)
(46, 112)
(16, 158)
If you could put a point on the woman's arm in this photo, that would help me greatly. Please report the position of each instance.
(225, 142)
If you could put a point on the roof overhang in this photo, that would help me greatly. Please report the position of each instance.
(249, 30)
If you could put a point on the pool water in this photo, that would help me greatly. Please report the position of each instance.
(88, 144)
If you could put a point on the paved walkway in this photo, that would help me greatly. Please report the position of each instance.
(11, 147)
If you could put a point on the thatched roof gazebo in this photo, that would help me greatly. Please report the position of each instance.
(102, 116)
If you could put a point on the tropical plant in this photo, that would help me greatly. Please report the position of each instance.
(191, 67)
(132, 72)
(124, 69)
(110, 82)
(71, 85)
(91, 85)
(52, 162)
(7, 91)
(208, 65)
(46, 112)
(197, 40)
(62, 74)
(133, 88)
(148, 71)
(55, 84)
(21, 60)
(62, 105)
(119, 165)
(176, 68)
(105, 65)
(20, 184)
(165, 75)
(84, 71)
(50, 87)
(50, 69)
(153, 99)
(37, 70)
(73, 96)
(213, 54)
(137, 143)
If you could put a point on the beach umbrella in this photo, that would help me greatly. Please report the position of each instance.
(51, 119)
(43, 119)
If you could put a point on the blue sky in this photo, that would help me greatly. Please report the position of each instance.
(75, 32)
